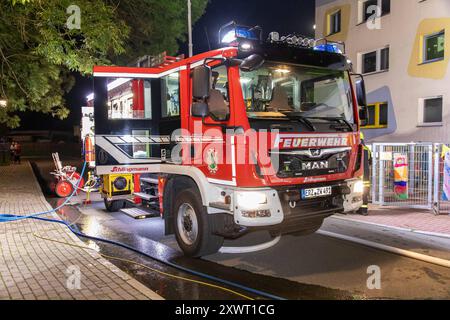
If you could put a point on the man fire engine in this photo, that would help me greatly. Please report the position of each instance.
(258, 135)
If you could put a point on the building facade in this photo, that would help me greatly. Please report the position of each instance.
(403, 49)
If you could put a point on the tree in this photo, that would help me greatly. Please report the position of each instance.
(156, 25)
(41, 44)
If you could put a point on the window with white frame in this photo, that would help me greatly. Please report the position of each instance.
(369, 62)
(334, 22)
(367, 9)
(431, 111)
(434, 47)
(374, 61)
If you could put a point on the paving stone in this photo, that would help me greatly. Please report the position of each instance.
(32, 268)
(418, 220)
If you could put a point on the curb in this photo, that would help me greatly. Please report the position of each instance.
(421, 232)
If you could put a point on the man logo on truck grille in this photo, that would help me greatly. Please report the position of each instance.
(211, 160)
(315, 152)
(315, 165)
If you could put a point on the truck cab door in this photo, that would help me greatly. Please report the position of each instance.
(211, 152)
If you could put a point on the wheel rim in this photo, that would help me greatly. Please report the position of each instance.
(187, 223)
(63, 189)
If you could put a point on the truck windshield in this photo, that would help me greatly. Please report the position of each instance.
(292, 91)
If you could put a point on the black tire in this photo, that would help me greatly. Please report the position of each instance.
(205, 242)
(114, 205)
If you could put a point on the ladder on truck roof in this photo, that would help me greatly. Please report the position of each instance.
(160, 61)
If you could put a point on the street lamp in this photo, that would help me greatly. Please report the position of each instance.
(191, 53)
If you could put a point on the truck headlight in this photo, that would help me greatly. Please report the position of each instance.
(358, 187)
(251, 200)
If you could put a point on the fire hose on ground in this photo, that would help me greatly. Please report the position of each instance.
(37, 216)
(379, 246)
(13, 217)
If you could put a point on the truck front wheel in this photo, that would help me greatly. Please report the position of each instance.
(193, 226)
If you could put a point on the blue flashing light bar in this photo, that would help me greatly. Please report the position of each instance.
(246, 33)
(333, 48)
(231, 33)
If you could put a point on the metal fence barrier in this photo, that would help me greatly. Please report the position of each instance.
(421, 181)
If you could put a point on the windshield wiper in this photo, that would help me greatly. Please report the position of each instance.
(341, 120)
(303, 120)
(345, 121)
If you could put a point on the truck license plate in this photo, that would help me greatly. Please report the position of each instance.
(316, 192)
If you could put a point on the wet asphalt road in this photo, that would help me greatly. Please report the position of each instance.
(142, 235)
(312, 267)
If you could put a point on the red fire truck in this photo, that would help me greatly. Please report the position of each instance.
(258, 135)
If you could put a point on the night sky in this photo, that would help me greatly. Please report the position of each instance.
(284, 16)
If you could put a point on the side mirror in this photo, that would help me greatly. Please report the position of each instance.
(361, 93)
(363, 116)
(362, 102)
(252, 63)
(200, 109)
(201, 82)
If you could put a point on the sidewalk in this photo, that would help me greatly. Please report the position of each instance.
(420, 221)
(32, 268)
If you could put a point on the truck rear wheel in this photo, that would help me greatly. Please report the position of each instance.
(114, 205)
(193, 226)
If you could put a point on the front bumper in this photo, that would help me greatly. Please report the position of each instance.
(284, 207)
(354, 200)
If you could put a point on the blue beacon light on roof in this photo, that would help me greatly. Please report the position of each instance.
(333, 48)
(239, 33)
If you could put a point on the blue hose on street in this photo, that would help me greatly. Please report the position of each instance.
(36, 216)
(168, 263)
